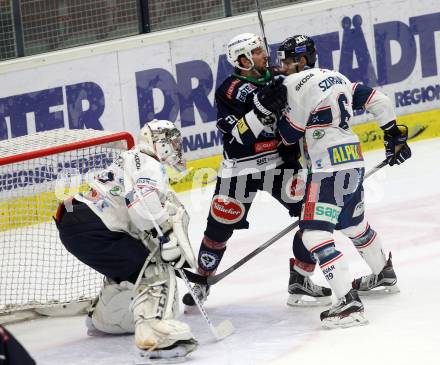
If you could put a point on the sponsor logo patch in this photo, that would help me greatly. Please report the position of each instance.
(265, 146)
(321, 212)
(242, 126)
(227, 210)
(295, 188)
(318, 133)
(344, 153)
(231, 88)
(116, 191)
(358, 209)
(208, 260)
(244, 91)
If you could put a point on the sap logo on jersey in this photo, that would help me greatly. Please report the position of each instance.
(344, 153)
(321, 212)
(227, 210)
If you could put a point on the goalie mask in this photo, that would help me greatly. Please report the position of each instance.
(297, 46)
(163, 139)
(243, 45)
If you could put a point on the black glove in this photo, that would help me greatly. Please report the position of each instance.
(270, 100)
(396, 148)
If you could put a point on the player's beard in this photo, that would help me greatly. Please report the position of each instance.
(261, 70)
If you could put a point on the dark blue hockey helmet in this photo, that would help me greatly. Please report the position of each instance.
(297, 46)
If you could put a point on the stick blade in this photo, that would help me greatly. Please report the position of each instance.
(224, 329)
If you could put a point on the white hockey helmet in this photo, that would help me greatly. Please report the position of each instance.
(163, 139)
(243, 45)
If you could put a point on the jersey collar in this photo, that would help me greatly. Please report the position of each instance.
(260, 81)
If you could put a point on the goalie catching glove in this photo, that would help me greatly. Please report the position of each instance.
(269, 101)
(396, 148)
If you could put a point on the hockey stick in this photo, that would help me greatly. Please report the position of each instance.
(260, 20)
(211, 280)
(225, 328)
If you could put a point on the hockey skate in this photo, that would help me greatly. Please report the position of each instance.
(305, 293)
(347, 312)
(202, 292)
(383, 283)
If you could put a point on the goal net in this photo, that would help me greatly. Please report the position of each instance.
(38, 171)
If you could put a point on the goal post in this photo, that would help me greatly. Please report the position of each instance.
(37, 171)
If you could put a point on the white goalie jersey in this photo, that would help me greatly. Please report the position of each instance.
(320, 111)
(130, 194)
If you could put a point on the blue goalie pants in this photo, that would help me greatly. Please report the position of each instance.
(116, 255)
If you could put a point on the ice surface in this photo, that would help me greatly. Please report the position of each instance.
(402, 205)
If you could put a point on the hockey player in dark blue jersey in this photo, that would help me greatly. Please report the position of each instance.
(253, 161)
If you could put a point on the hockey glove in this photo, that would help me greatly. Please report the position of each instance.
(170, 250)
(269, 101)
(396, 148)
(167, 242)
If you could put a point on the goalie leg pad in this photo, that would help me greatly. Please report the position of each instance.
(368, 244)
(111, 313)
(154, 309)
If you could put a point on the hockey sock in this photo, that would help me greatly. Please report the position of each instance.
(304, 261)
(369, 246)
(332, 262)
(301, 267)
(210, 255)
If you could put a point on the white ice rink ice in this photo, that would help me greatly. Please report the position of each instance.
(402, 205)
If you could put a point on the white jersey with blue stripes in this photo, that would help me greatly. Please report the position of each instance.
(129, 195)
(320, 111)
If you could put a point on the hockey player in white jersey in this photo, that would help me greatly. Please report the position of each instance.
(111, 228)
(319, 110)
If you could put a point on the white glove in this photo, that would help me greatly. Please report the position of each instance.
(170, 251)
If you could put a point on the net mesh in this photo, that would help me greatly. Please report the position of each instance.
(7, 37)
(35, 268)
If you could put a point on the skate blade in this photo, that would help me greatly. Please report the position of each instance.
(300, 300)
(352, 320)
(381, 290)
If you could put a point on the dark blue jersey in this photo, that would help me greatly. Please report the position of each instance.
(242, 136)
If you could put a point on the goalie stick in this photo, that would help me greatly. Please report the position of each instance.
(225, 328)
(211, 280)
